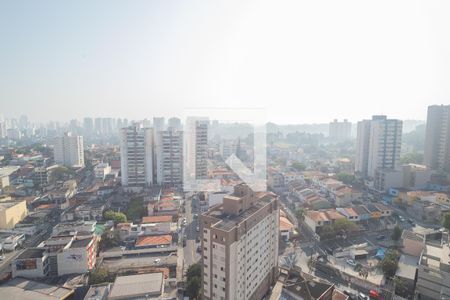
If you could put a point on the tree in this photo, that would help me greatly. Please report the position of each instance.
(60, 173)
(194, 279)
(396, 234)
(412, 158)
(389, 263)
(99, 276)
(117, 217)
(446, 221)
(345, 178)
(344, 225)
(136, 209)
(298, 166)
(364, 273)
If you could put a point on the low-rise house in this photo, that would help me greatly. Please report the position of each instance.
(91, 211)
(25, 289)
(286, 226)
(105, 190)
(349, 212)
(142, 286)
(296, 286)
(11, 212)
(98, 291)
(31, 263)
(162, 208)
(154, 241)
(101, 170)
(79, 256)
(363, 213)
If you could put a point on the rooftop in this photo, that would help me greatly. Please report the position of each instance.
(19, 288)
(31, 253)
(154, 240)
(156, 219)
(229, 221)
(126, 287)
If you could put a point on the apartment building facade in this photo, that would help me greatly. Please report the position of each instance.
(69, 150)
(240, 245)
(437, 138)
(378, 145)
(136, 157)
(169, 157)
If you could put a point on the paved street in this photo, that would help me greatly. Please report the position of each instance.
(190, 254)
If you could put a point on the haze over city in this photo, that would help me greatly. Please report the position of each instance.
(304, 62)
(225, 150)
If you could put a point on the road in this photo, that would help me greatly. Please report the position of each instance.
(190, 250)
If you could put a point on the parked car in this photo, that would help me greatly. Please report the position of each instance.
(351, 262)
(157, 261)
(362, 296)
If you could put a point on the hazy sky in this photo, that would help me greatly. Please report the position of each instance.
(303, 61)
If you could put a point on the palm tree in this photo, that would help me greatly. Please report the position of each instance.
(364, 273)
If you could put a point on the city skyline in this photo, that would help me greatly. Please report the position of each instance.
(320, 64)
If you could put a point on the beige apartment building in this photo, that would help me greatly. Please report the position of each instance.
(240, 245)
(11, 212)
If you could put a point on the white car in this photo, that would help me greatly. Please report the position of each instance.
(157, 261)
(351, 262)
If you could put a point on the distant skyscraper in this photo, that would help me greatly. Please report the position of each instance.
(88, 126)
(169, 157)
(174, 123)
(201, 149)
(240, 245)
(23, 122)
(136, 157)
(340, 131)
(98, 126)
(159, 124)
(437, 138)
(69, 150)
(378, 145)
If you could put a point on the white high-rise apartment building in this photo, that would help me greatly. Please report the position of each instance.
(378, 145)
(240, 245)
(201, 149)
(174, 123)
(169, 157)
(136, 157)
(437, 138)
(159, 123)
(69, 150)
(340, 131)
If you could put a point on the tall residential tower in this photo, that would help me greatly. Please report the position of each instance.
(136, 157)
(240, 245)
(69, 150)
(378, 145)
(437, 138)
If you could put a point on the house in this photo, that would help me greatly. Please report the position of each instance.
(363, 213)
(349, 212)
(79, 256)
(25, 289)
(156, 241)
(31, 263)
(384, 210)
(286, 226)
(293, 284)
(374, 211)
(141, 286)
(317, 219)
